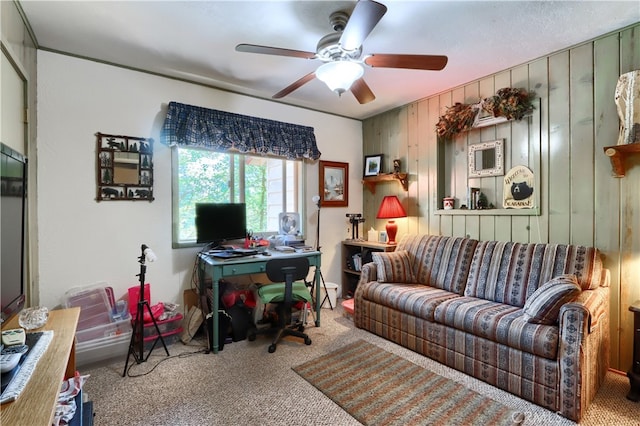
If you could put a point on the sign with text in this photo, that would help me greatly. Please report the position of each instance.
(518, 188)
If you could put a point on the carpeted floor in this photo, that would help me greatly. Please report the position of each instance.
(245, 385)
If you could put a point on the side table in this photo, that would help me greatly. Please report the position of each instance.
(634, 372)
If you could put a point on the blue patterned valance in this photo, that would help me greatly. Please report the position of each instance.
(193, 126)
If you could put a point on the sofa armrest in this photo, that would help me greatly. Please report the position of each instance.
(596, 303)
(583, 354)
(368, 273)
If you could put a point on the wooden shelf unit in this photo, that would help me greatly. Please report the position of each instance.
(634, 371)
(371, 181)
(447, 166)
(351, 274)
(618, 154)
(535, 211)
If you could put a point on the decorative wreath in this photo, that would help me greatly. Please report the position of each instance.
(510, 103)
(457, 119)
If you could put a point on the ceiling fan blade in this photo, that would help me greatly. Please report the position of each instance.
(362, 92)
(295, 85)
(364, 18)
(267, 50)
(415, 62)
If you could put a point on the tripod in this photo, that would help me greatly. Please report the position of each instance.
(138, 324)
(326, 292)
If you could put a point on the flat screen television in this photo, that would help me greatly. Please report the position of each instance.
(217, 223)
(13, 196)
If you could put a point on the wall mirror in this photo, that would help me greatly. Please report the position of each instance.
(486, 159)
(124, 168)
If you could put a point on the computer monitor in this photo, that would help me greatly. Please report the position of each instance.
(217, 223)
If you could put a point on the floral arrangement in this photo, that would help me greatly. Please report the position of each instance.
(458, 118)
(513, 104)
(510, 103)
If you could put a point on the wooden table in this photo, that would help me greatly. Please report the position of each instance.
(37, 402)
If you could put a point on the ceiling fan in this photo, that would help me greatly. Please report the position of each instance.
(341, 52)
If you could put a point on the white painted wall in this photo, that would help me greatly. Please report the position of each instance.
(81, 241)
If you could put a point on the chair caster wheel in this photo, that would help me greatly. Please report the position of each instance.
(307, 341)
(272, 348)
(301, 328)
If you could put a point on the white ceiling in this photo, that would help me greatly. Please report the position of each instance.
(195, 41)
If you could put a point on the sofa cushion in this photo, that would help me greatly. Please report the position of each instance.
(500, 323)
(418, 300)
(438, 261)
(543, 306)
(393, 267)
(508, 272)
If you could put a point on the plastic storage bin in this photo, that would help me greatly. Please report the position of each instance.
(169, 339)
(111, 329)
(100, 350)
(103, 332)
(93, 301)
(165, 326)
(134, 295)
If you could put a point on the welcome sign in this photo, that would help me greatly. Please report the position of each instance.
(518, 188)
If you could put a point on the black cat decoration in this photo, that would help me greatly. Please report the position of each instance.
(520, 190)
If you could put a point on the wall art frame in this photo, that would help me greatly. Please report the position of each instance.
(486, 159)
(333, 184)
(372, 165)
(124, 168)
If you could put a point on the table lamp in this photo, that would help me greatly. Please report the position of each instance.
(390, 208)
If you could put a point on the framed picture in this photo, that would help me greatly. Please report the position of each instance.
(486, 159)
(334, 184)
(373, 165)
(382, 237)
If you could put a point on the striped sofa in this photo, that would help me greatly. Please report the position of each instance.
(531, 319)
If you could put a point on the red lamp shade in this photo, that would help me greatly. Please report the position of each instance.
(390, 208)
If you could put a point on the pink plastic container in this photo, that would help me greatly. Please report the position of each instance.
(134, 294)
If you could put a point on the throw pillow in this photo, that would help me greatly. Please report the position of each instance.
(393, 267)
(543, 306)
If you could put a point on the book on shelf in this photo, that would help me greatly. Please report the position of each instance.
(357, 262)
(473, 195)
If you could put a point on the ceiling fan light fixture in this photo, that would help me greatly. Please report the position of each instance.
(339, 75)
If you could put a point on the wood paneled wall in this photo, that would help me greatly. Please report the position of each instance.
(579, 200)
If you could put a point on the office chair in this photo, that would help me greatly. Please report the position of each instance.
(290, 270)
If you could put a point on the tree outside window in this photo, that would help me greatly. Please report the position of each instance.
(268, 186)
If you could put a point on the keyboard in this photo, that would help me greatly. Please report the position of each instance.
(231, 254)
(14, 381)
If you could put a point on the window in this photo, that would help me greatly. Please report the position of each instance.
(267, 185)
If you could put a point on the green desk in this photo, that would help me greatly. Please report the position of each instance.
(218, 268)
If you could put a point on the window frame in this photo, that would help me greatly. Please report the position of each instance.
(299, 197)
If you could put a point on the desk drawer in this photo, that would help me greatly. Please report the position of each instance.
(243, 269)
